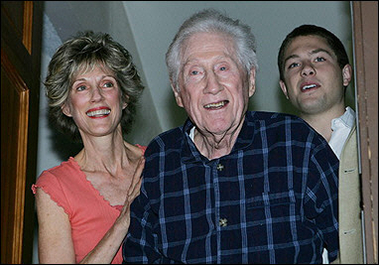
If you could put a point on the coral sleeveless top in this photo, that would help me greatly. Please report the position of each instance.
(90, 215)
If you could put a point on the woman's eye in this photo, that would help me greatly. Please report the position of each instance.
(222, 68)
(108, 84)
(194, 72)
(81, 88)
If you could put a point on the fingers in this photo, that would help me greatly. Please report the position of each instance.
(133, 192)
(137, 179)
(136, 191)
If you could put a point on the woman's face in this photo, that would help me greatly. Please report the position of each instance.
(94, 102)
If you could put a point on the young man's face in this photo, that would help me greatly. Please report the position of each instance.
(313, 80)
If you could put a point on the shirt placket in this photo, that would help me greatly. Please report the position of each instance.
(216, 183)
(221, 216)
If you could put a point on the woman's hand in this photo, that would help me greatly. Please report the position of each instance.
(108, 246)
(133, 192)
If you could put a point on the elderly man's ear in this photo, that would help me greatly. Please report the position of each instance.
(252, 82)
(178, 98)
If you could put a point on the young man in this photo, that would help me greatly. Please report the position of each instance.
(314, 74)
(231, 185)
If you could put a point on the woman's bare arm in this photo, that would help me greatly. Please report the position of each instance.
(55, 244)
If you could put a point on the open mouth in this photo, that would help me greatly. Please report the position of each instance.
(216, 105)
(99, 112)
(309, 87)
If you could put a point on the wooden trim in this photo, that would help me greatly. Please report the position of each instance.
(27, 25)
(19, 177)
(365, 34)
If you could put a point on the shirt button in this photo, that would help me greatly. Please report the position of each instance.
(223, 222)
(220, 167)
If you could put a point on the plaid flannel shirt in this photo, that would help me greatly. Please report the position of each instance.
(273, 199)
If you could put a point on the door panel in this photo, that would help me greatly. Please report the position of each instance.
(21, 31)
(13, 158)
(365, 36)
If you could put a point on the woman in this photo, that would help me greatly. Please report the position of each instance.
(83, 205)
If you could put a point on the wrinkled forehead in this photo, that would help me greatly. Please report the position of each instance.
(207, 42)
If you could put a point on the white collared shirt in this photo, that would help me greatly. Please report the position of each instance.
(341, 128)
(192, 134)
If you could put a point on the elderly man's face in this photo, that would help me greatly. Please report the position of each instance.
(214, 87)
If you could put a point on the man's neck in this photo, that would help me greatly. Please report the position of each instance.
(322, 122)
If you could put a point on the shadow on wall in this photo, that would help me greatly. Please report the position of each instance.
(284, 104)
(63, 146)
(177, 115)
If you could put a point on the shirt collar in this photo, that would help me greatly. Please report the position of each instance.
(347, 119)
(244, 139)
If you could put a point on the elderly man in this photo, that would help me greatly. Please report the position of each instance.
(231, 185)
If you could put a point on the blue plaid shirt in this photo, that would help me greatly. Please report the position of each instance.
(273, 199)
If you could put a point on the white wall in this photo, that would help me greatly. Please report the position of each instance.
(154, 25)
(147, 27)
